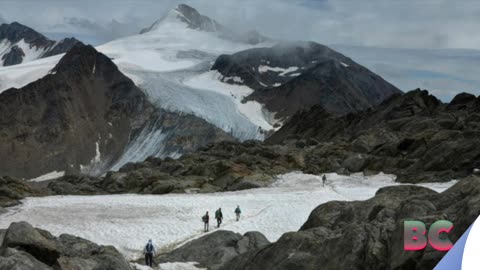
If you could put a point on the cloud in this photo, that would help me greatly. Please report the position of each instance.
(381, 23)
(361, 27)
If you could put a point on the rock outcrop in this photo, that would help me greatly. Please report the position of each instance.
(414, 136)
(20, 43)
(223, 166)
(81, 115)
(294, 76)
(85, 117)
(27, 248)
(12, 191)
(369, 234)
(214, 250)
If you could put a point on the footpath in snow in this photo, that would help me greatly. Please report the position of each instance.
(128, 221)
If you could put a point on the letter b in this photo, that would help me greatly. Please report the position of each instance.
(414, 233)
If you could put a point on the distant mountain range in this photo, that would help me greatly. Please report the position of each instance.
(20, 44)
(185, 82)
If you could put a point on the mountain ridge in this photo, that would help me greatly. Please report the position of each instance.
(19, 43)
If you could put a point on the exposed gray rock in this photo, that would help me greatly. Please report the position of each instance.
(27, 248)
(215, 249)
(11, 259)
(11, 34)
(12, 190)
(313, 74)
(368, 234)
(22, 236)
(413, 136)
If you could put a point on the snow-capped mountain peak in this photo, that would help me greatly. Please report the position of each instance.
(188, 17)
(19, 44)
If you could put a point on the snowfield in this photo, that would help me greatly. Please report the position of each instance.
(128, 221)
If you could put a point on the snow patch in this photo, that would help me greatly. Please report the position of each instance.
(345, 65)
(235, 79)
(282, 71)
(48, 176)
(180, 266)
(128, 221)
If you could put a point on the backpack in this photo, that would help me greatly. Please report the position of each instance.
(204, 218)
(149, 248)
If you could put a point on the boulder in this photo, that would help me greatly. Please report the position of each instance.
(22, 236)
(12, 259)
(25, 247)
(215, 249)
(368, 234)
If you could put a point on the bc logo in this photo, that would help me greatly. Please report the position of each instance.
(415, 235)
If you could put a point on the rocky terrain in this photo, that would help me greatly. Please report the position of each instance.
(293, 76)
(23, 247)
(12, 191)
(215, 249)
(415, 136)
(224, 166)
(19, 43)
(82, 117)
(368, 234)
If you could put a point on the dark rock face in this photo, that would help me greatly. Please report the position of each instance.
(196, 21)
(27, 248)
(217, 167)
(13, 57)
(12, 191)
(414, 136)
(15, 32)
(215, 249)
(85, 108)
(368, 234)
(294, 76)
(85, 117)
(62, 46)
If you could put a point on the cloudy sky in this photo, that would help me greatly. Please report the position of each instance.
(405, 33)
(382, 23)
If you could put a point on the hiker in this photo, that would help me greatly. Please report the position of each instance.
(206, 221)
(238, 212)
(219, 217)
(324, 179)
(149, 251)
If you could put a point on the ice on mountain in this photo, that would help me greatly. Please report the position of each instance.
(345, 65)
(48, 176)
(280, 70)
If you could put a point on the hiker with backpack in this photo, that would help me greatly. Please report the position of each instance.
(206, 221)
(149, 251)
(219, 217)
(324, 179)
(238, 212)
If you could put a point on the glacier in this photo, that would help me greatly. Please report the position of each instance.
(171, 65)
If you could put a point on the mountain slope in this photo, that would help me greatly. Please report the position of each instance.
(82, 117)
(414, 136)
(294, 76)
(19, 44)
(196, 21)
